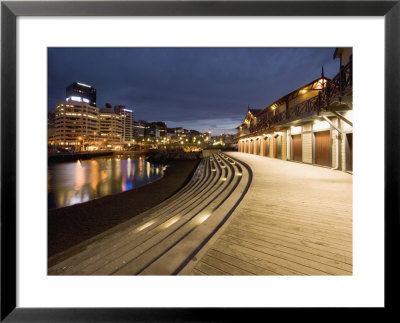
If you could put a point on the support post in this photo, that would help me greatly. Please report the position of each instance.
(342, 118)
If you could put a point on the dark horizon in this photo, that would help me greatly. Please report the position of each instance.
(195, 88)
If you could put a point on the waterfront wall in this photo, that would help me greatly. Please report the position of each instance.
(67, 157)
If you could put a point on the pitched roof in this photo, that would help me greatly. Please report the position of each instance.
(254, 112)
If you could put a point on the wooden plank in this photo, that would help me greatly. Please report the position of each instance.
(338, 238)
(312, 238)
(259, 258)
(297, 243)
(296, 262)
(245, 265)
(209, 270)
(224, 266)
(326, 225)
(197, 272)
(289, 249)
(301, 211)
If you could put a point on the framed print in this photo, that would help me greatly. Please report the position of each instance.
(41, 36)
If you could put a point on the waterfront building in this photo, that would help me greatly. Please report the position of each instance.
(111, 128)
(312, 124)
(152, 132)
(127, 122)
(79, 92)
(162, 128)
(138, 130)
(180, 132)
(76, 125)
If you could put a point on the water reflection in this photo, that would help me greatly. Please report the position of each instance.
(80, 181)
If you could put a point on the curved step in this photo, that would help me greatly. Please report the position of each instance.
(165, 237)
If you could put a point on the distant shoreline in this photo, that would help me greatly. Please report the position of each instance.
(66, 157)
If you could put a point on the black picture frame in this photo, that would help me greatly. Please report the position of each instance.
(10, 10)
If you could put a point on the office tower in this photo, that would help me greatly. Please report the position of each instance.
(79, 92)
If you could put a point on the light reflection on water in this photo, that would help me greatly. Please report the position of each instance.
(81, 181)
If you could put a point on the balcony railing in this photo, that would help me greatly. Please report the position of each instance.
(341, 85)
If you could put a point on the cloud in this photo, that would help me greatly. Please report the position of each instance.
(216, 126)
(187, 85)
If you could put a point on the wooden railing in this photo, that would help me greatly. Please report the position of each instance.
(334, 90)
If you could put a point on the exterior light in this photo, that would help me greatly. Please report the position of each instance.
(76, 98)
(83, 84)
(295, 130)
(321, 125)
(303, 91)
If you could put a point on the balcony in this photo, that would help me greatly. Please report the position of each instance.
(335, 96)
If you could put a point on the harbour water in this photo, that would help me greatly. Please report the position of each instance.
(83, 180)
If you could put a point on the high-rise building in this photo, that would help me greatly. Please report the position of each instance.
(127, 122)
(139, 128)
(79, 92)
(110, 127)
(76, 125)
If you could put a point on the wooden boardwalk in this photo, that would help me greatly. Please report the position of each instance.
(295, 219)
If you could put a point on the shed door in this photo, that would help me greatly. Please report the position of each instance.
(296, 148)
(279, 147)
(266, 146)
(322, 148)
(349, 152)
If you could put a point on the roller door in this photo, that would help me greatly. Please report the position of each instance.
(323, 148)
(278, 146)
(266, 146)
(349, 152)
(296, 148)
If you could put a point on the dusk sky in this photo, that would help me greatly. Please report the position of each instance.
(194, 88)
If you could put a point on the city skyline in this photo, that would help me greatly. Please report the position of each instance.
(206, 89)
